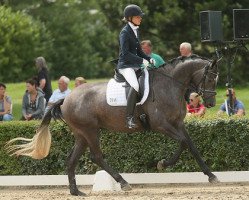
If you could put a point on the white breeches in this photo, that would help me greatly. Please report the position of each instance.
(130, 77)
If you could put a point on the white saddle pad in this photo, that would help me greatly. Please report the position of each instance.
(115, 92)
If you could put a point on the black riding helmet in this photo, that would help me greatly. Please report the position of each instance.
(132, 10)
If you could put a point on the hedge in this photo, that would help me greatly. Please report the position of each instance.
(223, 143)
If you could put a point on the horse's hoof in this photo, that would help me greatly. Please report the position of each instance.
(126, 187)
(160, 164)
(213, 179)
(77, 193)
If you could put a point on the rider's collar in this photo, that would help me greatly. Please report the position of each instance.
(133, 26)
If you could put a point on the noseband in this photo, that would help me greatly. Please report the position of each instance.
(201, 86)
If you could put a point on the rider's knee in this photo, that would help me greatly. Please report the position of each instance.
(136, 87)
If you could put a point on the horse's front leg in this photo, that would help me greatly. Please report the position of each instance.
(180, 134)
(172, 161)
(73, 158)
(170, 131)
(212, 178)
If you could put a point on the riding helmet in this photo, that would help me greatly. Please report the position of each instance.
(132, 10)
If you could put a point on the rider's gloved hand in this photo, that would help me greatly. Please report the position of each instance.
(152, 61)
(146, 63)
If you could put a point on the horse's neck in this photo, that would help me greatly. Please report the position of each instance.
(184, 72)
(178, 78)
(167, 91)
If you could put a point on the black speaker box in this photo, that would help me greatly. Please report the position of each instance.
(241, 24)
(211, 26)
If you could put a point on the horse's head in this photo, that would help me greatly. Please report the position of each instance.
(206, 82)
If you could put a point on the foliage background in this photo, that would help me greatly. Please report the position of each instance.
(22, 38)
(223, 144)
(80, 37)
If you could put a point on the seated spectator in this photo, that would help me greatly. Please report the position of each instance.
(33, 103)
(79, 81)
(5, 105)
(238, 107)
(147, 49)
(195, 107)
(59, 93)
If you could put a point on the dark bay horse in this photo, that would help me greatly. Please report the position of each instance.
(86, 111)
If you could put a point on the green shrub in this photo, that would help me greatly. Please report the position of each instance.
(22, 40)
(223, 143)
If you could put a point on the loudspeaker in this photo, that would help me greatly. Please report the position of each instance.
(241, 24)
(211, 26)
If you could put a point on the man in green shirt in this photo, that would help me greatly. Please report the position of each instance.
(147, 49)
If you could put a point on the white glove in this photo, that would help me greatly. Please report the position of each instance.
(153, 61)
(146, 63)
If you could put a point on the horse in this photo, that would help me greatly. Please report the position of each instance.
(86, 111)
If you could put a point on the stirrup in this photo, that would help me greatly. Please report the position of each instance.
(130, 122)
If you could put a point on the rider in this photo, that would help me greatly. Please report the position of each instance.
(131, 57)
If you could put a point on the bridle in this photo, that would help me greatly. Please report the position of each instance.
(201, 86)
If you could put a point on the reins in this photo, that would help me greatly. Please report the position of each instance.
(179, 82)
(200, 88)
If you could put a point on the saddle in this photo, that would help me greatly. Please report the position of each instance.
(140, 77)
(118, 88)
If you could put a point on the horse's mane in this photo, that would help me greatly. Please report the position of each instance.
(181, 59)
(171, 64)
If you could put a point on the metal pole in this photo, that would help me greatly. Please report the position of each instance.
(229, 80)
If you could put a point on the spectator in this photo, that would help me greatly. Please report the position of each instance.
(33, 103)
(43, 78)
(195, 107)
(59, 93)
(185, 49)
(147, 49)
(79, 81)
(238, 106)
(5, 105)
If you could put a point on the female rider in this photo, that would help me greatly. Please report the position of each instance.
(131, 57)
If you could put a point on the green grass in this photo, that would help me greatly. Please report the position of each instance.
(241, 94)
(16, 91)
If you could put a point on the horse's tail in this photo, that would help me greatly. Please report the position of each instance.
(38, 147)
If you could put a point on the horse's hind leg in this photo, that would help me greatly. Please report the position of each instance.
(73, 158)
(165, 163)
(97, 157)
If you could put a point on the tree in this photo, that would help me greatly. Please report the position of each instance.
(85, 33)
(80, 36)
(22, 39)
(168, 23)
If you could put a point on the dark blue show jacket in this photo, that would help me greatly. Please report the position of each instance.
(130, 53)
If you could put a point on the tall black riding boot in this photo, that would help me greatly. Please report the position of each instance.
(131, 103)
